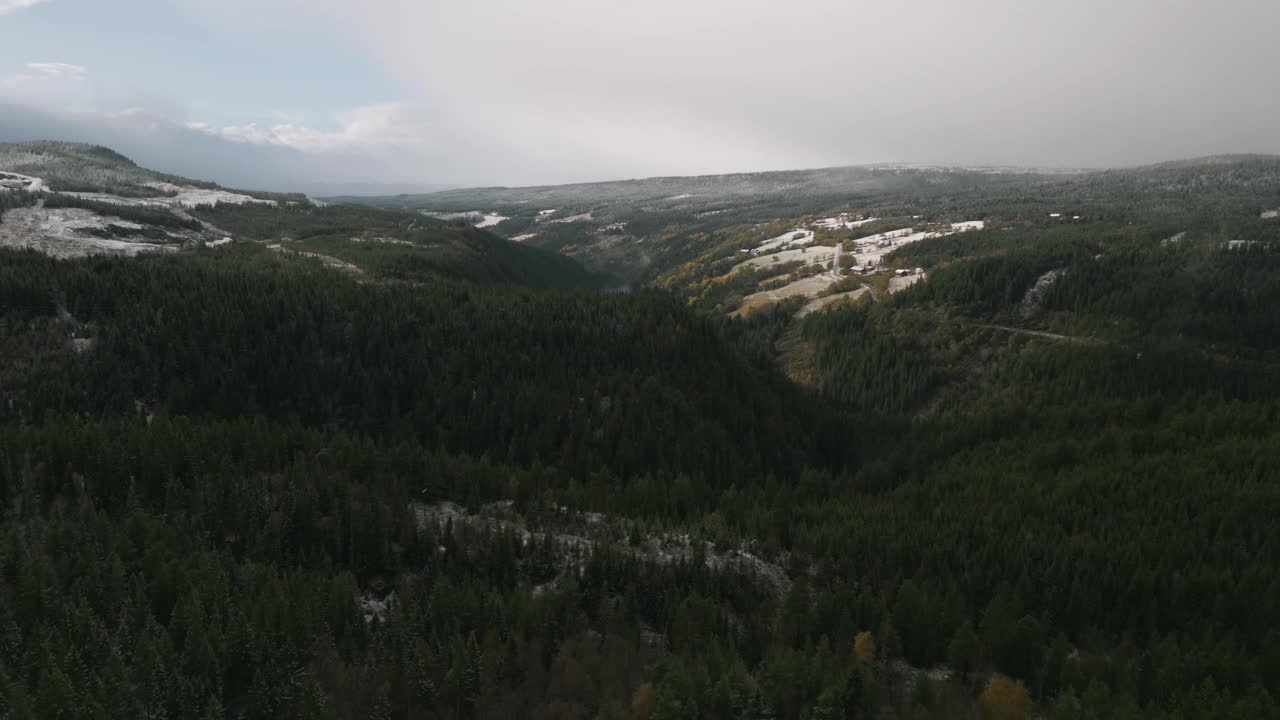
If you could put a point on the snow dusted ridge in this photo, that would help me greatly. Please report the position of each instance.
(186, 197)
(578, 535)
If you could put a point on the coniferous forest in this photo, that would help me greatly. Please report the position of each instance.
(238, 484)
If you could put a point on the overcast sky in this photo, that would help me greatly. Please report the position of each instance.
(274, 93)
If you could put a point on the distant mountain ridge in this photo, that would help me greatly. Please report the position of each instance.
(91, 200)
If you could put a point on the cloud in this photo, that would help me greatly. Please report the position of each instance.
(8, 6)
(503, 91)
(59, 69)
(386, 125)
(49, 83)
(158, 141)
(565, 89)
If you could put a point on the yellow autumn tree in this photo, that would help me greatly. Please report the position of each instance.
(642, 702)
(864, 646)
(1005, 699)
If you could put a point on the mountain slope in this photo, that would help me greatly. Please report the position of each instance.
(90, 200)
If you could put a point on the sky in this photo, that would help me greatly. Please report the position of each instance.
(295, 94)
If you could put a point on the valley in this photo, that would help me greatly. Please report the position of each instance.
(870, 441)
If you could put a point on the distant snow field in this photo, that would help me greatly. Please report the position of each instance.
(491, 219)
(478, 218)
(575, 218)
(1271, 215)
(186, 197)
(843, 222)
(867, 255)
(526, 236)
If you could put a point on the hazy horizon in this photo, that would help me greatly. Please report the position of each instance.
(299, 93)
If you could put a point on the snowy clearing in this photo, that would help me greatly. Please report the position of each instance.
(899, 283)
(820, 303)
(468, 215)
(843, 222)
(68, 233)
(526, 236)
(808, 256)
(808, 287)
(478, 218)
(868, 251)
(16, 181)
(491, 219)
(797, 238)
(575, 218)
(1271, 215)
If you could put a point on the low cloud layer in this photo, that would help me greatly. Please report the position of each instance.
(499, 91)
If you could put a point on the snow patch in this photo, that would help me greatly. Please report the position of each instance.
(478, 218)
(373, 608)
(1035, 294)
(16, 181)
(575, 218)
(186, 197)
(794, 238)
(844, 222)
(70, 233)
(898, 283)
(381, 241)
(1271, 214)
(491, 219)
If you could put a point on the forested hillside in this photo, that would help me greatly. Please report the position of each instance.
(1039, 482)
